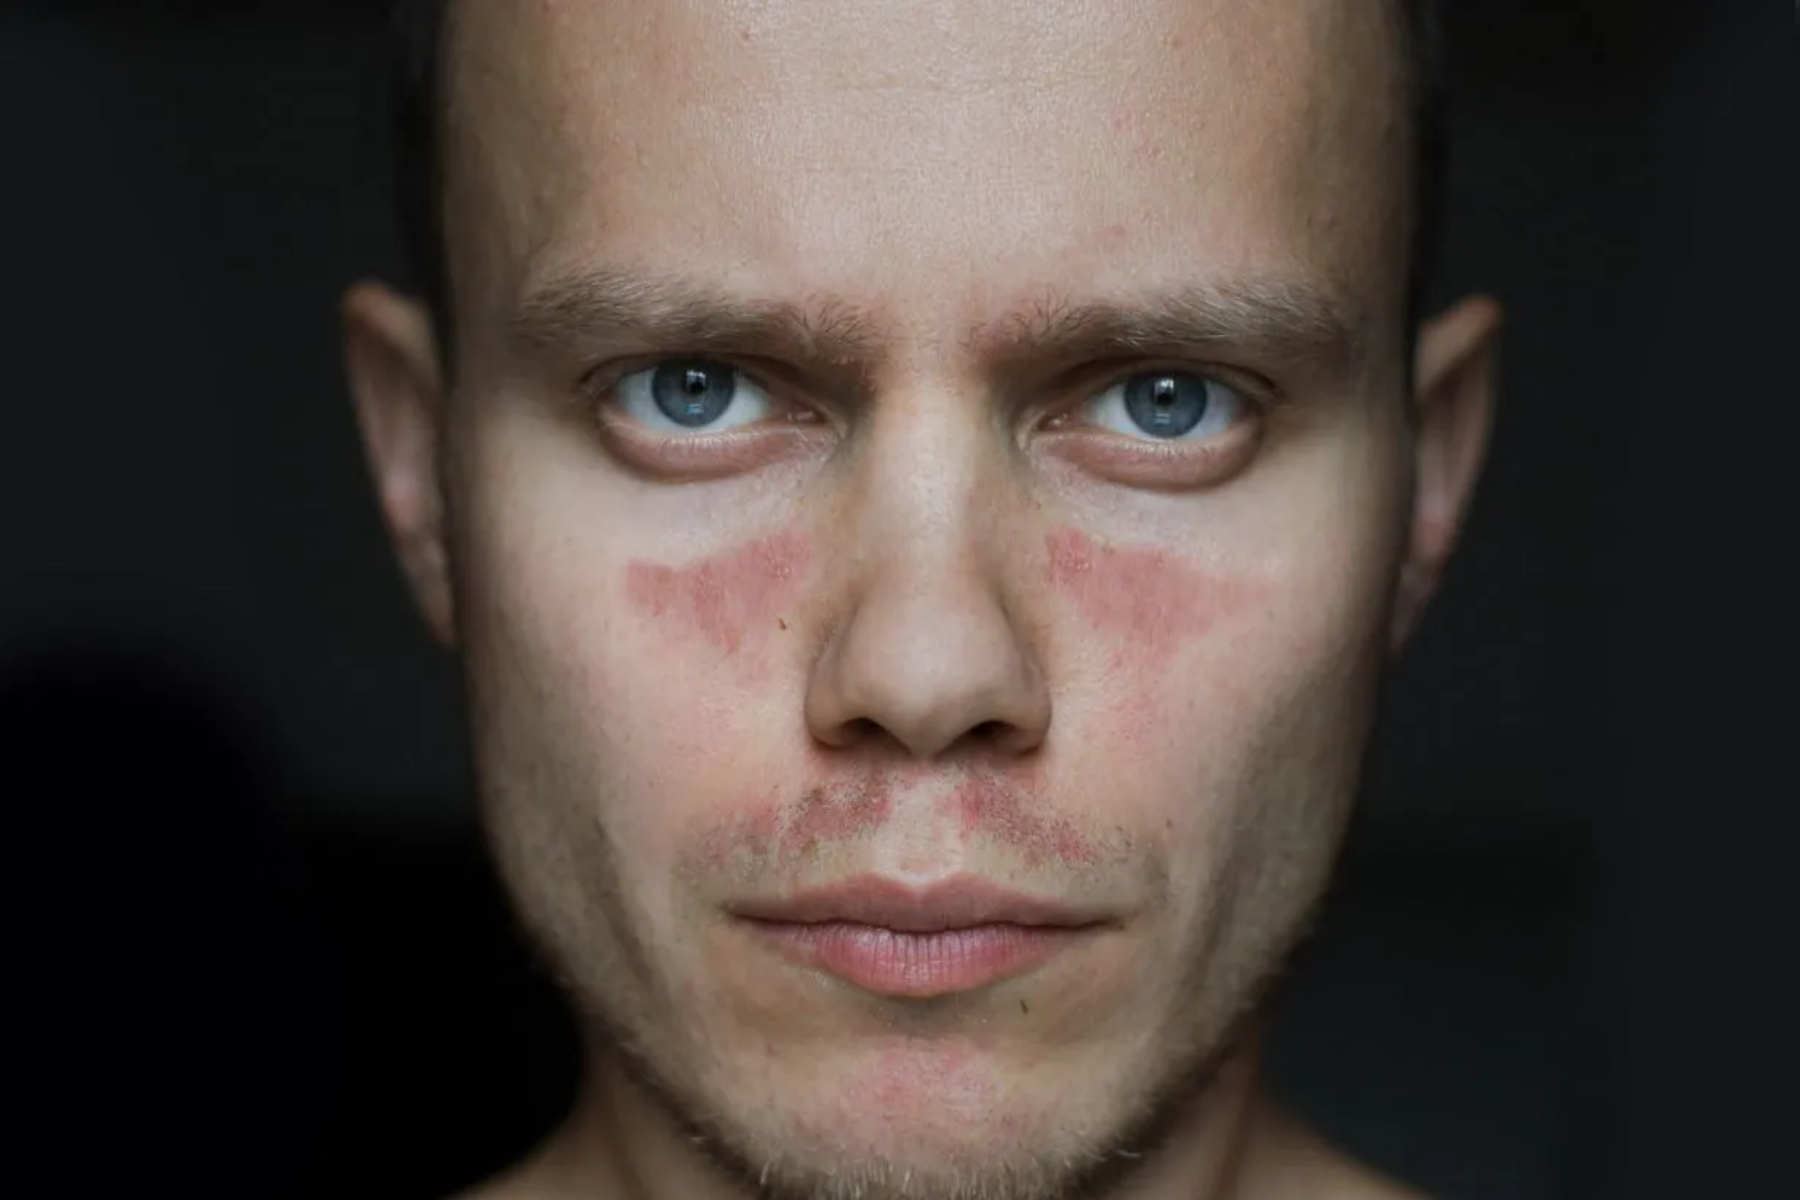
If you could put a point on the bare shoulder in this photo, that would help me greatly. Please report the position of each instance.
(1291, 1160)
(1352, 1180)
(511, 1185)
(532, 1179)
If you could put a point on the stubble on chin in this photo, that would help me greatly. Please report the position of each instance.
(632, 1064)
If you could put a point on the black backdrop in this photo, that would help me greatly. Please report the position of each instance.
(253, 914)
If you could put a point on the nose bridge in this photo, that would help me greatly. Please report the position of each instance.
(928, 652)
(919, 482)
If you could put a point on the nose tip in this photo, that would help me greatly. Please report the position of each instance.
(931, 673)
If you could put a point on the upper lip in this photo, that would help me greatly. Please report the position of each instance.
(963, 902)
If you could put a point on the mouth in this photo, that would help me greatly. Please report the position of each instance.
(889, 939)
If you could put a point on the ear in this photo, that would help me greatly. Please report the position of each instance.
(1454, 382)
(395, 380)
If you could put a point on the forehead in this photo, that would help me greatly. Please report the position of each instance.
(900, 154)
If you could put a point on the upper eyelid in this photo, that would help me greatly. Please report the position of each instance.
(608, 374)
(1247, 384)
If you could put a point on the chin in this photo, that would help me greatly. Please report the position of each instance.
(898, 1116)
(1017, 1142)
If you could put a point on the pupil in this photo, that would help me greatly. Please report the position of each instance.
(693, 394)
(1167, 406)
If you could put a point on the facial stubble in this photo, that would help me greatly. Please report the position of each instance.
(622, 1042)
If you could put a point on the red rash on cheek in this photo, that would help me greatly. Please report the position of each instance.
(725, 599)
(1147, 598)
(1147, 604)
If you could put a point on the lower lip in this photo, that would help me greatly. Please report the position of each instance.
(890, 962)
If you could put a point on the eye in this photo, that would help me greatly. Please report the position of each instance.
(1166, 405)
(691, 395)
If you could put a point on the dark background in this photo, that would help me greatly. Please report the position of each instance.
(262, 952)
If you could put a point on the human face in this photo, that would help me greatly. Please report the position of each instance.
(923, 497)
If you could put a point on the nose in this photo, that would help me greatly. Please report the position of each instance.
(928, 651)
(930, 659)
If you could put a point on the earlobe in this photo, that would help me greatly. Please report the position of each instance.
(397, 385)
(1453, 394)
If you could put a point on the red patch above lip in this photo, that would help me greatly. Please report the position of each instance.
(823, 815)
(840, 813)
(987, 807)
(982, 807)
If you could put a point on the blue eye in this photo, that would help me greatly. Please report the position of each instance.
(691, 395)
(1166, 405)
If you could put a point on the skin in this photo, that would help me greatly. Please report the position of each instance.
(930, 604)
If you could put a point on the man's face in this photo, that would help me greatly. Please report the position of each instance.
(924, 491)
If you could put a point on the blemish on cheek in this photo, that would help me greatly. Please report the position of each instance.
(1148, 599)
(987, 807)
(721, 599)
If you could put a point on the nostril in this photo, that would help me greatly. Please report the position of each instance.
(858, 730)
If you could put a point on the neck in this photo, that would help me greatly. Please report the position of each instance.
(621, 1143)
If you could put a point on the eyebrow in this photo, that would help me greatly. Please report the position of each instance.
(604, 305)
(1267, 322)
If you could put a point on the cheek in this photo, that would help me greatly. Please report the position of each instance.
(626, 686)
(1207, 686)
(693, 664)
(730, 604)
(1145, 612)
(1145, 603)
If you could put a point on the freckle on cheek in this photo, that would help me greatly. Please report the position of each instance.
(724, 601)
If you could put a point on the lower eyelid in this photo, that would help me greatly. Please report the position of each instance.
(702, 454)
(1144, 462)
